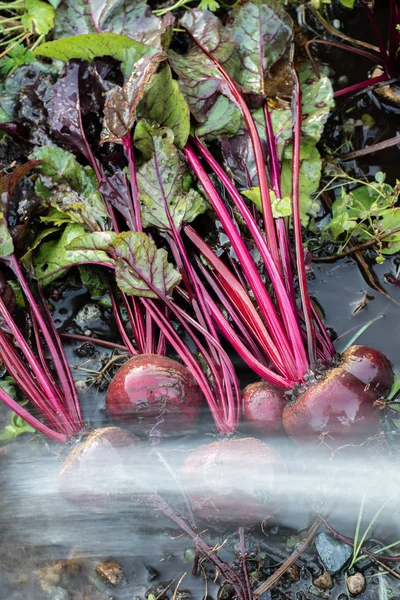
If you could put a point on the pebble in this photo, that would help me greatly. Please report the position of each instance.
(87, 314)
(58, 593)
(152, 574)
(226, 592)
(333, 553)
(110, 571)
(356, 584)
(183, 596)
(293, 574)
(324, 581)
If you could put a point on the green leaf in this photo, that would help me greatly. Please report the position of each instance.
(310, 175)
(211, 5)
(164, 103)
(38, 17)
(6, 242)
(53, 258)
(27, 258)
(93, 279)
(316, 103)
(89, 46)
(16, 425)
(141, 269)
(395, 388)
(120, 107)
(280, 207)
(70, 188)
(223, 118)
(17, 56)
(262, 29)
(161, 187)
(347, 3)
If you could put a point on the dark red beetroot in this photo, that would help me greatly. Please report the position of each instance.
(341, 407)
(263, 406)
(154, 392)
(233, 481)
(95, 472)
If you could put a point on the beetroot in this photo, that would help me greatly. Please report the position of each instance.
(94, 472)
(263, 407)
(233, 481)
(154, 392)
(341, 407)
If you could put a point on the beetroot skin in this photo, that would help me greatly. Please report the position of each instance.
(233, 481)
(154, 391)
(341, 407)
(263, 407)
(94, 474)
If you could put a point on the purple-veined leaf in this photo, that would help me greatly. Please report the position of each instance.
(262, 30)
(120, 107)
(161, 186)
(141, 269)
(206, 92)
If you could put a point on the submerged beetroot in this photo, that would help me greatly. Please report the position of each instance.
(154, 392)
(341, 407)
(263, 406)
(94, 473)
(233, 481)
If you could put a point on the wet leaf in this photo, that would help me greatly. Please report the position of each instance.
(6, 242)
(27, 258)
(38, 17)
(64, 110)
(164, 103)
(128, 17)
(141, 269)
(160, 184)
(120, 107)
(70, 188)
(317, 101)
(52, 260)
(89, 46)
(262, 29)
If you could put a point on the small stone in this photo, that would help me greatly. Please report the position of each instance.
(324, 581)
(58, 593)
(356, 584)
(293, 574)
(226, 592)
(87, 315)
(157, 590)
(110, 572)
(183, 596)
(152, 574)
(333, 553)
